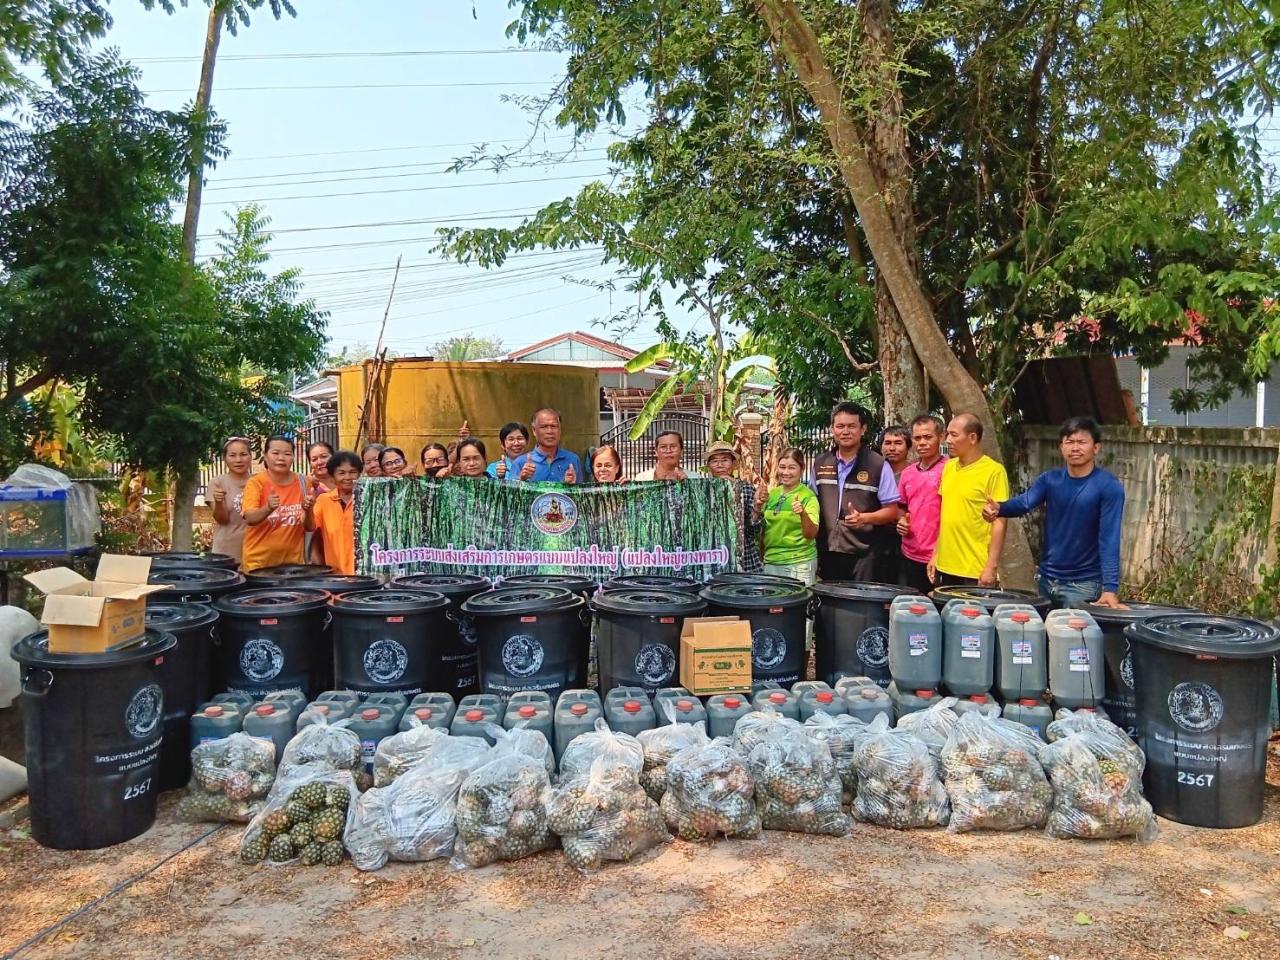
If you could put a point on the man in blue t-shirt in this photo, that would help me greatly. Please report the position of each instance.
(546, 461)
(1080, 559)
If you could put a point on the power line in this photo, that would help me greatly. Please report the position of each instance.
(439, 264)
(369, 86)
(391, 166)
(490, 323)
(448, 218)
(289, 182)
(348, 55)
(419, 146)
(470, 304)
(368, 193)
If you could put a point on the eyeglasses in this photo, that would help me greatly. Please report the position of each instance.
(397, 462)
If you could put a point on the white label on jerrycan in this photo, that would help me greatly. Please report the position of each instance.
(1078, 658)
(1021, 650)
(918, 644)
(970, 646)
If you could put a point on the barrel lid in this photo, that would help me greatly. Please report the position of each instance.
(528, 710)
(33, 651)
(735, 576)
(683, 705)
(632, 706)
(1137, 612)
(733, 703)
(288, 571)
(824, 696)
(265, 709)
(321, 707)
(652, 601)
(857, 590)
(567, 581)
(1020, 616)
(370, 713)
(206, 578)
(926, 694)
(978, 698)
(1204, 634)
(383, 603)
(917, 609)
(989, 597)
(1028, 702)
(777, 697)
(758, 594)
(654, 581)
(513, 601)
(422, 713)
(212, 710)
(473, 715)
(179, 616)
(338, 582)
(266, 601)
(185, 558)
(578, 709)
(452, 585)
(869, 693)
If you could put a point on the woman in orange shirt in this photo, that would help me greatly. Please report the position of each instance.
(274, 504)
(332, 517)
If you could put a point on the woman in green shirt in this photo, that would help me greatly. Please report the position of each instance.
(791, 522)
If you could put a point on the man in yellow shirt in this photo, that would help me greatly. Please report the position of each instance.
(968, 549)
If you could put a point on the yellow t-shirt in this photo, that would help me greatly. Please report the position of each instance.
(278, 538)
(963, 536)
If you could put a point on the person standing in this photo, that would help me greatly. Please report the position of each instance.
(606, 465)
(791, 523)
(391, 462)
(858, 496)
(1083, 508)
(514, 437)
(968, 548)
(921, 503)
(369, 454)
(434, 457)
(331, 518)
(318, 455)
(895, 445)
(226, 494)
(722, 461)
(472, 459)
(668, 449)
(547, 462)
(273, 507)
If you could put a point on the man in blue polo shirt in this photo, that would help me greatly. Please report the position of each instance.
(1080, 560)
(546, 462)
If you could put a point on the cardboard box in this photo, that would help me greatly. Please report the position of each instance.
(715, 655)
(105, 613)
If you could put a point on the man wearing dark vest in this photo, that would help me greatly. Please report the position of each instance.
(857, 499)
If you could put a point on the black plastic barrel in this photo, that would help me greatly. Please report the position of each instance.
(285, 574)
(93, 727)
(1203, 688)
(333, 584)
(194, 584)
(851, 629)
(733, 576)
(638, 636)
(655, 581)
(459, 656)
(273, 639)
(389, 641)
(530, 638)
(777, 613)
(1119, 700)
(584, 587)
(990, 597)
(187, 678)
(182, 558)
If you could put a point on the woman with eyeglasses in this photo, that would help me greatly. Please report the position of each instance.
(391, 462)
(434, 458)
(226, 496)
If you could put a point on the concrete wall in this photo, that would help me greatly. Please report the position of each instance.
(1173, 477)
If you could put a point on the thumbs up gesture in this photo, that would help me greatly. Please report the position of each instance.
(571, 475)
(991, 512)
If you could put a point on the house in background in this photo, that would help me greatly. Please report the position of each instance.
(1152, 388)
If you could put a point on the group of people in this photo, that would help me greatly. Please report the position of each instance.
(855, 513)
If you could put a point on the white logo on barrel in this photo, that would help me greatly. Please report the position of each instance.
(522, 655)
(465, 625)
(873, 646)
(768, 647)
(142, 716)
(655, 664)
(261, 660)
(385, 661)
(1195, 706)
(1126, 669)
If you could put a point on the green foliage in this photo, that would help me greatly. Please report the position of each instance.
(237, 11)
(468, 347)
(49, 33)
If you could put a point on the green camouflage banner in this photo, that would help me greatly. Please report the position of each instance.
(481, 526)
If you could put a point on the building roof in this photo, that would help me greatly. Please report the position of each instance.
(577, 336)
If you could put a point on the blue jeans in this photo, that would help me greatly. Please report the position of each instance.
(1068, 593)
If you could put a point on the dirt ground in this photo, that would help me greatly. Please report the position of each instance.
(179, 891)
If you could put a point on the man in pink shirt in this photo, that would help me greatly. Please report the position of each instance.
(921, 503)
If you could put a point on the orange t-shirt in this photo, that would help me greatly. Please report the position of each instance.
(277, 539)
(335, 526)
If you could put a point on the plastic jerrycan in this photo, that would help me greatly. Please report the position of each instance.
(242, 701)
(847, 687)
(372, 723)
(980, 702)
(292, 701)
(724, 711)
(816, 700)
(1031, 712)
(424, 715)
(911, 701)
(969, 649)
(271, 722)
(440, 704)
(915, 643)
(213, 721)
(627, 693)
(331, 710)
(396, 701)
(576, 713)
(473, 718)
(629, 714)
(348, 697)
(1022, 665)
(666, 693)
(530, 709)
(868, 702)
(1077, 667)
(688, 710)
(783, 701)
(758, 685)
(800, 686)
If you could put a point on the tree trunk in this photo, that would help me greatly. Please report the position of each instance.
(187, 475)
(960, 390)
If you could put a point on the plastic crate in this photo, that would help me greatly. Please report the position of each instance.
(41, 522)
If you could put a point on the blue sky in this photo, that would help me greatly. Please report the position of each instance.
(325, 143)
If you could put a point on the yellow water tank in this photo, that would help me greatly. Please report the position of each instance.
(410, 402)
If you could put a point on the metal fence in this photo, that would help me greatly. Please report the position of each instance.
(637, 455)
